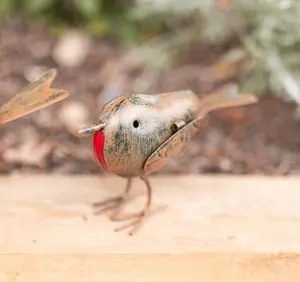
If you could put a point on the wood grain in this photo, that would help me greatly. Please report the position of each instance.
(212, 228)
(151, 267)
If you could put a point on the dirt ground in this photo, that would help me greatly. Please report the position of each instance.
(260, 139)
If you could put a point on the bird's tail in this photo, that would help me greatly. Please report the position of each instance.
(226, 99)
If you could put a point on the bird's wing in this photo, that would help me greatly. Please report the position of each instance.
(35, 96)
(171, 147)
(178, 141)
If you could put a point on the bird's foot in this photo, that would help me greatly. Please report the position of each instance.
(116, 204)
(113, 203)
(138, 219)
(137, 222)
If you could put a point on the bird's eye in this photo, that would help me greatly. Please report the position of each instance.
(136, 124)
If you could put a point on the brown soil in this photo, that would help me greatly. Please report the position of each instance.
(263, 138)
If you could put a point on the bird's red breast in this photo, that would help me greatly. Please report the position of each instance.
(98, 144)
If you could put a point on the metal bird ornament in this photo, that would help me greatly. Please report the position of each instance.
(35, 96)
(135, 135)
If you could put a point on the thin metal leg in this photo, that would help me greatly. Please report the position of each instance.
(114, 202)
(142, 215)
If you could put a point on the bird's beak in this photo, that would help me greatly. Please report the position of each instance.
(89, 130)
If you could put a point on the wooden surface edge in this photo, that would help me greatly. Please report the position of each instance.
(229, 267)
(55, 215)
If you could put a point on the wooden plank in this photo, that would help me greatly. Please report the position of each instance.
(213, 228)
(51, 214)
(150, 268)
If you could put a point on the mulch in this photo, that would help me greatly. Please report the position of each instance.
(260, 139)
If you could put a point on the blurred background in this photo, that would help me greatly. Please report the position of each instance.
(105, 48)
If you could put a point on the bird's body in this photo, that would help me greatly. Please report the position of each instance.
(135, 135)
(136, 125)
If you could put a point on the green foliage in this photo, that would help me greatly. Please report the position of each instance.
(6, 8)
(101, 18)
(35, 7)
(268, 30)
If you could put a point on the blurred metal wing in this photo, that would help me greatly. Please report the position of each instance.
(35, 96)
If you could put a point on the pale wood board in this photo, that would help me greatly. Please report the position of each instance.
(213, 228)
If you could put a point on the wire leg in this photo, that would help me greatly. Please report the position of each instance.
(140, 216)
(114, 203)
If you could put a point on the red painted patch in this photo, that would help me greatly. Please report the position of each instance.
(98, 144)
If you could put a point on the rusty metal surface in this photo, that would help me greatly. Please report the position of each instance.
(35, 96)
